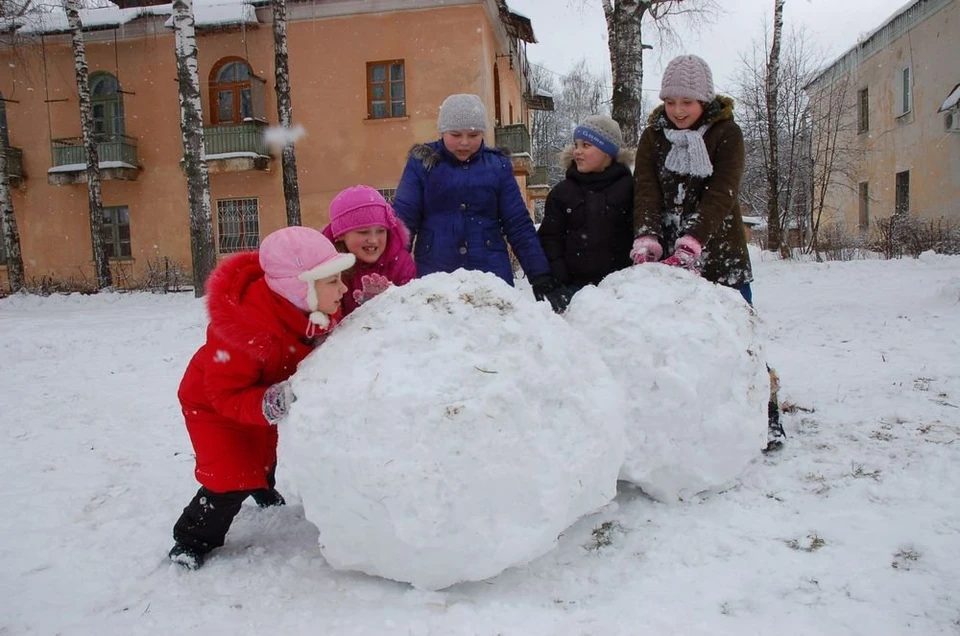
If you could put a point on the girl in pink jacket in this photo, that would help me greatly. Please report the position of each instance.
(363, 224)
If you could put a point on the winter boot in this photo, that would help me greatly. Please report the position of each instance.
(188, 557)
(775, 433)
(267, 497)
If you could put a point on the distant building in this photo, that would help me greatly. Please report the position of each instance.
(367, 80)
(900, 119)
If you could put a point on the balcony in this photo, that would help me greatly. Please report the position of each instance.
(516, 139)
(236, 147)
(538, 183)
(118, 159)
(15, 166)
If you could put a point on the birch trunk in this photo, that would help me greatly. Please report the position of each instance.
(10, 234)
(202, 250)
(101, 263)
(626, 63)
(774, 233)
(288, 157)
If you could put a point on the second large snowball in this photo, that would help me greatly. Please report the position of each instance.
(691, 358)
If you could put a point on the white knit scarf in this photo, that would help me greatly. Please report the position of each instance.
(688, 154)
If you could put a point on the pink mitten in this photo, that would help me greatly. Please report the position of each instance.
(686, 254)
(371, 285)
(646, 249)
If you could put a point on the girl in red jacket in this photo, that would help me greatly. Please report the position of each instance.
(363, 224)
(268, 310)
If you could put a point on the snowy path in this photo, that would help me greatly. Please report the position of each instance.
(853, 528)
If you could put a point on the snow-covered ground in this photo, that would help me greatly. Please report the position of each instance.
(853, 528)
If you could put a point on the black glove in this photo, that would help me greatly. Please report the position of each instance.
(546, 287)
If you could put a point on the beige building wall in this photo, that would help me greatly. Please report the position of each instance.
(446, 49)
(916, 141)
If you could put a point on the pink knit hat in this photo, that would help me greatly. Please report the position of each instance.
(688, 76)
(358, 207)
(293, 259)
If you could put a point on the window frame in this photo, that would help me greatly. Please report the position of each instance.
(387, 89)
(106, 109)
(110, 224)
(903, 90)
(863, 110)
(864, 205)
(253, 86)
(242, 235)
(901, 202)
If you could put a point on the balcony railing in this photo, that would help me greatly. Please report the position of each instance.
(14, 163)
(115, 148)
(514, 137)
(539, 176)
(246, 137)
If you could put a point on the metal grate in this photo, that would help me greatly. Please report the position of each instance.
(238, 225)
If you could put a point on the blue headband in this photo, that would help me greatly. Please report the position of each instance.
(592, 136)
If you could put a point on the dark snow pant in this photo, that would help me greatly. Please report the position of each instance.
(205, 521)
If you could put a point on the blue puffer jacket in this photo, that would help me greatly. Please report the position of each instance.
(458, 213)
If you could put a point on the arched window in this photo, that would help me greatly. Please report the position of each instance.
(107, 103)
(236, 94)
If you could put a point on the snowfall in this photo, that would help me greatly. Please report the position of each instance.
(853, 527)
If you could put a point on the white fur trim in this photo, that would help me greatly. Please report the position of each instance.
(320, 319)
(333, 266)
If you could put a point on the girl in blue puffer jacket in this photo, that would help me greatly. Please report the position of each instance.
(462, 205)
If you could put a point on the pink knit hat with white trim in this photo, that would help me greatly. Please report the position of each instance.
(358, 207)
(293, 259)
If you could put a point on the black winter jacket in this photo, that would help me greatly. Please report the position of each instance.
(587, 228)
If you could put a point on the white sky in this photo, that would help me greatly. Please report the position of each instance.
(565, 34)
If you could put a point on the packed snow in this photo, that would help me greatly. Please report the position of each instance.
(486, 427)
(690, 356)
(851, 528)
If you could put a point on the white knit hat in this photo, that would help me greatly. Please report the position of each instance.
(462, 111)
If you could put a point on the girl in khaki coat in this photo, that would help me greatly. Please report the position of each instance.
(687, 180)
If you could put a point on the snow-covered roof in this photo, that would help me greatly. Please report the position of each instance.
(952, 101)
(207, 14)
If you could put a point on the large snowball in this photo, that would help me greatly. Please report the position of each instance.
(449, 429)
(690, 355)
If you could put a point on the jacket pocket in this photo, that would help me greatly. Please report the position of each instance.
(423, 243)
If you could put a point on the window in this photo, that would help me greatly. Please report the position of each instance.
(116, 232)
(864, 206)
(903, 92)
(388, 193)
(386, 93)
(238, 225)
(863, 110)
(236, 94)
(106, 103)
(4, 132)
(903, 193)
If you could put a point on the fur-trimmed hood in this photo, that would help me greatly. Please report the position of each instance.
(720, 109)
(432, 153)
(246, 315)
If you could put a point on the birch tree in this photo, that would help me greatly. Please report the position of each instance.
(792, 171)
(625, 40)
(774, 234)
(202, 249)
(101, 263)
(288, 157)
(11, 236)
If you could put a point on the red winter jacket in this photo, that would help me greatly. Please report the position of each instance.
(255, 338)
(395, 264)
